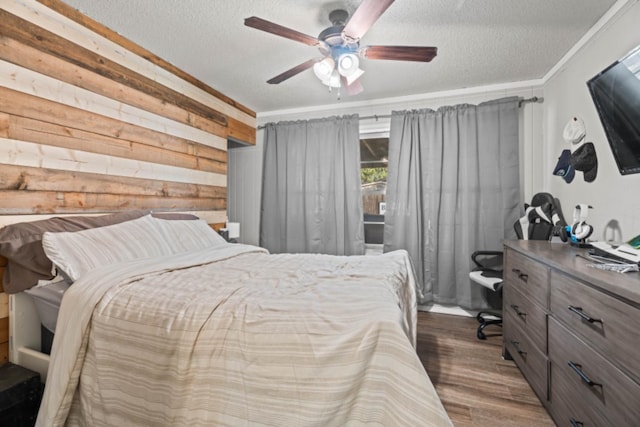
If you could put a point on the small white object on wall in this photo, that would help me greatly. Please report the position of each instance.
(574, 130)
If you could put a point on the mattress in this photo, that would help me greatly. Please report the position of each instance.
(47, 297)
(235, 336)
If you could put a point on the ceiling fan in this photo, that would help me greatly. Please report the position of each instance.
(339, 44)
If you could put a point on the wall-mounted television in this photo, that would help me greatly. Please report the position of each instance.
(616, 94)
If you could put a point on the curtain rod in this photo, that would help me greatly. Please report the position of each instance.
(520, 102)
(386, 116)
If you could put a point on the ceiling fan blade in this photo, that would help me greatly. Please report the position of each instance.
(363, 18)
(352, 89)
(400, 53)
(279, 30)
(293, 71)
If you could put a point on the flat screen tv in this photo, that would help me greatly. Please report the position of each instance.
(616, 94)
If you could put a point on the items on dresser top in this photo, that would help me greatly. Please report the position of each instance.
(622, 253)
(573, 332)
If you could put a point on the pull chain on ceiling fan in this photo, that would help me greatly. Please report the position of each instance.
(339, 44)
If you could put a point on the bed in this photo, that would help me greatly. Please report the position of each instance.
(164, 323)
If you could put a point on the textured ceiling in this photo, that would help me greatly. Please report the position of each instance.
(480, 42)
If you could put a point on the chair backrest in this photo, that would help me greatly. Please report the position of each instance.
(542, 218)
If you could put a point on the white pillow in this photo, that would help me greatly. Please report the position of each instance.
(188, 235)
(75, 253)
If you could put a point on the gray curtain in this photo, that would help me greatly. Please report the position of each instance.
(311, 201)
(453, 188)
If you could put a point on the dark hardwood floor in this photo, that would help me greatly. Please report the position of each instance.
(476, 385)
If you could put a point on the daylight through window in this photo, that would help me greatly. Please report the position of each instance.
(373, 178)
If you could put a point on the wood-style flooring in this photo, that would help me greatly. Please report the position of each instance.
(476, 385)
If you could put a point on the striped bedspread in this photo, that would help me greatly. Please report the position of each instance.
(233, 336)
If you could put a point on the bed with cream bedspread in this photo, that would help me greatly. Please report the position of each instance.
(234, 336)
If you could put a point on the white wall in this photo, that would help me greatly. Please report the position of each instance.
(243, 201)
(613, 196)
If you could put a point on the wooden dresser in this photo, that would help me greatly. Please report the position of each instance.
(574, 332)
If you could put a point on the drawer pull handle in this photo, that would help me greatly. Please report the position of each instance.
(575, 423)
(516, 344)
(517, 310)
(522, 276)
(583, 315)
(578, 370)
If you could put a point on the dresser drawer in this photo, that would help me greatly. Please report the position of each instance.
(611, 398)
(528, 276)
(531, 318)
(611, 326)
(532, 362)
(566, 408)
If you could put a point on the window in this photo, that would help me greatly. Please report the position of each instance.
(373, 178)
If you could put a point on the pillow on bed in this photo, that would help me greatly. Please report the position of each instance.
(21, 244)
(184, 236)
(75, 253)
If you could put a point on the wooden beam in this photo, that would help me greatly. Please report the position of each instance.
(241, 131)
(4, 324)
(14, 202)
(21, 153)
(4, 352)
(24, 178)
(29, 106)
(63, 136)
(3, 264)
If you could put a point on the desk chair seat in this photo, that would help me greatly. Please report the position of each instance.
(488, 273)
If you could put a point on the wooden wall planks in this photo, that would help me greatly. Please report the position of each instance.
(91, 122)
(4, 317)
(98, 28)
(47, 53)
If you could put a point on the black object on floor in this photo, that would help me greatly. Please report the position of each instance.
(20, 395)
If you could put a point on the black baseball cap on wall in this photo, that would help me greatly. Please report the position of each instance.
(584, 159)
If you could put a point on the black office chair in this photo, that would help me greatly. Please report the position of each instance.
(542, 219)
(488, 273)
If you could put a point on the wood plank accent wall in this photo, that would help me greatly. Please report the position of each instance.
(90, 122)
(4, 317)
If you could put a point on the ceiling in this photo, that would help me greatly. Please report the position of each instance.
(480, 42)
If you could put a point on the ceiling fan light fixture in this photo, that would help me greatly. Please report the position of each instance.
(333, 80)
(323, 69)
(348, 64)
(339, 44)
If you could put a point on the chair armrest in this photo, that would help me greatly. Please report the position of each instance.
(482, 265)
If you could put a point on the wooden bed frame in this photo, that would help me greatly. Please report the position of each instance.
(24, 335)
(20, 331)
(4, 317)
